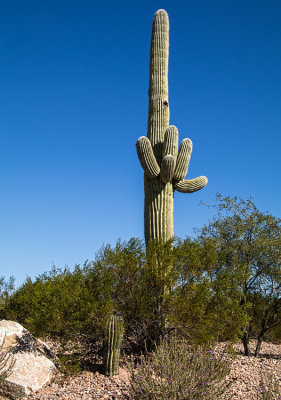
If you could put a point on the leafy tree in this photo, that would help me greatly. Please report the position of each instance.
(203, 307)
(248, 244)
(7, 288)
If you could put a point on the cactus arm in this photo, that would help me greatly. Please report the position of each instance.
(171, 140)
(167, 168)
(147, 158)
(183, 159)
(191, 185)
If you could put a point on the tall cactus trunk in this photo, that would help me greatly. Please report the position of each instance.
(159, 196)
(164, 165)
(158, 210)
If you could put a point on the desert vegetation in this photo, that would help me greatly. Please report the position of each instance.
(223, 284)
(165, 302)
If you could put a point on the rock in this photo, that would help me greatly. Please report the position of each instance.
(34, 364)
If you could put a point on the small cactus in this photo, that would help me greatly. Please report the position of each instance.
(164, 165)
(112, 343)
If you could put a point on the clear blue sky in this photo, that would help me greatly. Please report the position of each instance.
(73, 101)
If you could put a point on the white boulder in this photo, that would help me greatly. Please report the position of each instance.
(33, 361)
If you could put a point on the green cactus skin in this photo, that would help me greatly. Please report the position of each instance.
(164, 165)
(112, 344)
(167, 168)
(171, 142)
(183, 159)
(147, 158)
(191, 185)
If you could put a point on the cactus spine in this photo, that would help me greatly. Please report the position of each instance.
(164, 165)
(113, 339)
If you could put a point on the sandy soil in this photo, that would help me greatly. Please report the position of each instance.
(92, 384)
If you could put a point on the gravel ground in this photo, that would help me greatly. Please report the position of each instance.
(246, 371)
(92, 384)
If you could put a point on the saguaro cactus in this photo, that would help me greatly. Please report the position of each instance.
(164, 165)
(113, 339)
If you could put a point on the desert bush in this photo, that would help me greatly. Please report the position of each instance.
(60, 302)
(164, 287)
(200, 286)
(176, 371)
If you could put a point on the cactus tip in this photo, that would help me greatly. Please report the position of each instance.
(161, 12)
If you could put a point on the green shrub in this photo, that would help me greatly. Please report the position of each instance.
(164, 287)
(177, 286)
(60, 302)
(70, 365)
(176, 371)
